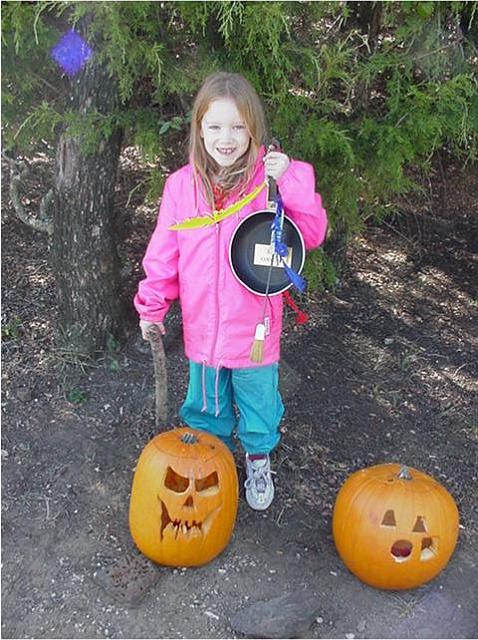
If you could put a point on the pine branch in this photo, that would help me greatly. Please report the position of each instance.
(44, 222)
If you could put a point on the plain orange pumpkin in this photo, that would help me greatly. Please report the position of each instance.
(184, 498)
(394, 527)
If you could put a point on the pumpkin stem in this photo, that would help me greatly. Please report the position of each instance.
(189, 438)
(404, 474)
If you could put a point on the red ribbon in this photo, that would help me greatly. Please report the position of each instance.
(301, 316)
(219, 196)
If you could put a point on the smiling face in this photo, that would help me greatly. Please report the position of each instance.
(394, 530)
(224, 132)
(417, 540)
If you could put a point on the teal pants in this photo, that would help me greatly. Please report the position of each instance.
(213, 395)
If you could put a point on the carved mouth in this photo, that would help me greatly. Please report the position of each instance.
(177, 525)
(401, 550)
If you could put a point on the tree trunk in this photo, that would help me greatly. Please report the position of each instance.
(84, 252)
(368, 17)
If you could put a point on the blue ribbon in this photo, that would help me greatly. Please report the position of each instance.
(280, 248)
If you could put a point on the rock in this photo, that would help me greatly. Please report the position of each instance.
(288, 616)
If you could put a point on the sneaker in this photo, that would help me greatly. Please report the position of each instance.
(258, 485)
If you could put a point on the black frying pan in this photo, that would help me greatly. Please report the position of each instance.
(250, 257)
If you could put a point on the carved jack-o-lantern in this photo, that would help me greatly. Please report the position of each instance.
(184, 498)
(394, 527)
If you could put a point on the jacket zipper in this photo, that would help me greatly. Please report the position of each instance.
(216, 293)
(216, 323)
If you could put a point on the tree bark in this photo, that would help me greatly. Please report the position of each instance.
(367, 17)
(83, 248)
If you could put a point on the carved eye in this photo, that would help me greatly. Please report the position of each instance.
(429, 549)
(208, 482)
(175, 482)
(389, 519)
(420, 526)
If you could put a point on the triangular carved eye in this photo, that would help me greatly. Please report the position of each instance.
(209, 481)
(420, 526)
(389, 519)
(175, 482)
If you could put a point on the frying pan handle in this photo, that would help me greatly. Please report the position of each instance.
(271, 192)
(274, 145)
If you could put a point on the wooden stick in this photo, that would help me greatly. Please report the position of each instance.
(160, 378)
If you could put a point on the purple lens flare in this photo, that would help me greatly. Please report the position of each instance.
(71, 52)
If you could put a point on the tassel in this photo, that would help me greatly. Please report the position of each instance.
(301, 317)
(257, 349)
(297, 280)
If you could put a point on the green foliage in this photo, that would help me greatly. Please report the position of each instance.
(319, 270)
(364, 91)
(12, 329)
(112, 346)
(77, 396)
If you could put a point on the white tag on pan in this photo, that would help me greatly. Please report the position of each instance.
(263, 256)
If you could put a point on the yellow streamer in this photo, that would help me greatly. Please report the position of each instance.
(217, 216)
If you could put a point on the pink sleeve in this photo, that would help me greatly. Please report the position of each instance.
(160, 263)
(302, 204)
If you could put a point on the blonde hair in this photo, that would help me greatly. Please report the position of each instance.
(237, 88)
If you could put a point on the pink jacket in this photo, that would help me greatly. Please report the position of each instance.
(219, 314)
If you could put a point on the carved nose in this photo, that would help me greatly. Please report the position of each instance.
(189, 502)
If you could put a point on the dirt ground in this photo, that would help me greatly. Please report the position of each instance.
(384, 371)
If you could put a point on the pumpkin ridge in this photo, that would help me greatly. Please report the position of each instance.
(351, 503)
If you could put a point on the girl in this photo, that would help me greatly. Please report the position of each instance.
(227, 161)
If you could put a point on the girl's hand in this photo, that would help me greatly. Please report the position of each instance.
(148, 329)
(276, 164)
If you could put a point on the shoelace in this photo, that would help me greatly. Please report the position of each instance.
(259, 477)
